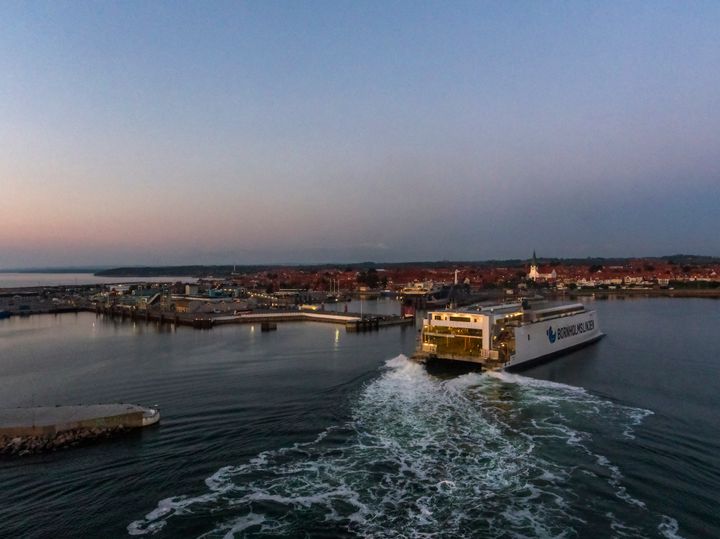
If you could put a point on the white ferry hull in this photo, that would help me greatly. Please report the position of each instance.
(543, 340)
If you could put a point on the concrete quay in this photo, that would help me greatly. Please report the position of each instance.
(351, 321)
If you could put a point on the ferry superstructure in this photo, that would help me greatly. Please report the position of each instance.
(506, 336)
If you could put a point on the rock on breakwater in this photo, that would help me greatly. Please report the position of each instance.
(19, 446)
(31, 430)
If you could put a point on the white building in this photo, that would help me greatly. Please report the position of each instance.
(535, 274)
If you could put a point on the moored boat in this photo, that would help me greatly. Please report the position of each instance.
(419, 289)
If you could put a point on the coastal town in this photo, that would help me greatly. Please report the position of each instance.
(241, 291)
(368, 269)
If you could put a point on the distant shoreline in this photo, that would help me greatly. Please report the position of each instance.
(29, 281)
(198, 270)
(712, 293)
(46, 271)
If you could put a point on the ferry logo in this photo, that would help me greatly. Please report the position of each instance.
(551, 335)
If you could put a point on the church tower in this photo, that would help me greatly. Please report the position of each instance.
(534, 273)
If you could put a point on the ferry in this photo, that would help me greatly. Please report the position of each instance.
(506, 336)
(426, 293)
(419, 289)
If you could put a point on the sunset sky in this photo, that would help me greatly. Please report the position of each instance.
(263, 132)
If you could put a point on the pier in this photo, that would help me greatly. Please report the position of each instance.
(352, 321)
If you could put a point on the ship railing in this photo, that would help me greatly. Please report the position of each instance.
(482, 356)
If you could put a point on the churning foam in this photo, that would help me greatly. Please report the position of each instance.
(477, 455)
(669, 528)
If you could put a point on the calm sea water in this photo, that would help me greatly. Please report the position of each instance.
(17, 280)
(313, 432)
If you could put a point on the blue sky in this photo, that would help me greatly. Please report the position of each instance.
(245, 132)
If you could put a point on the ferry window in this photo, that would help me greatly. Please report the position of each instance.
(460, 318)
(438, 317)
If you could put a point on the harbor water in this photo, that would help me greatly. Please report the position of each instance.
(310, 431)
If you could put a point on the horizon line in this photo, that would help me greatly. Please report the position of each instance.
(92, 267)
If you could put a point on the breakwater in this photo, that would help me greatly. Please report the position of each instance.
(12, 446)
(25, 431)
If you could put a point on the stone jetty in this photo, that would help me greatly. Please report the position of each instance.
(25, 431)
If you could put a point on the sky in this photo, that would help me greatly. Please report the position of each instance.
(162, 133)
